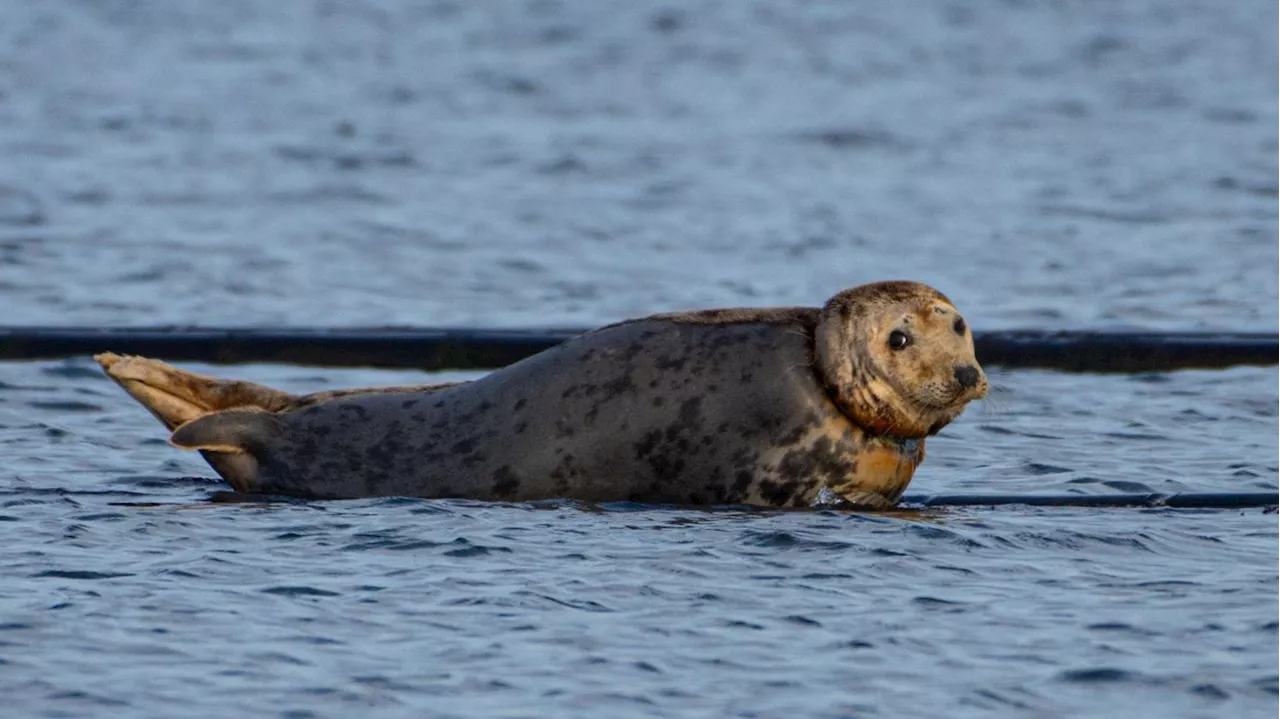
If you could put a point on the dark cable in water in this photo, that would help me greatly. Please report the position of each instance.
(474, 349)
(1189, 500)
(1186, 500)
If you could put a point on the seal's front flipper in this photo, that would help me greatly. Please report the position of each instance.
(176, 396)
(868, 500)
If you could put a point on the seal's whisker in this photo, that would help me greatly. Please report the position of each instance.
(994, 404)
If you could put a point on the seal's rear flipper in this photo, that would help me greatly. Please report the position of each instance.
(229, 441)
(246, 429)
(176, 396)
(183, 400)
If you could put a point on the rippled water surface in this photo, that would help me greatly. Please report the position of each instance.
(546, 163)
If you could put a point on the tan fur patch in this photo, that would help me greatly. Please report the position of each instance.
(883, 468)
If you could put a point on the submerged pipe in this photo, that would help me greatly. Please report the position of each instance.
(474, 349)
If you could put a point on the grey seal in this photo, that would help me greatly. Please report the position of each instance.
(767, 406)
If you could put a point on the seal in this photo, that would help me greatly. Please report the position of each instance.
(768, 406)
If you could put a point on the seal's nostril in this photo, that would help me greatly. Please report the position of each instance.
(966, 375)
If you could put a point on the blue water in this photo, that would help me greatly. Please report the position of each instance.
(569, 164)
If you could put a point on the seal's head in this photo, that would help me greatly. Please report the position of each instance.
(897, 358)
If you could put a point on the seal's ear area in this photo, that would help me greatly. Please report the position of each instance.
(847, 369)
(834, 342)
(242, 430)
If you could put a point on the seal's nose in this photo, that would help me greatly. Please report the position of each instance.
(967, 375)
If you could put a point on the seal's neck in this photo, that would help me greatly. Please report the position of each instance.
(869, 410)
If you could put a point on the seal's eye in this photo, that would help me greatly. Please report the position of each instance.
(958, 326)
(899, 340)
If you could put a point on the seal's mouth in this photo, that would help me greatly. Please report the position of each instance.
(953, 398)
(937, 412)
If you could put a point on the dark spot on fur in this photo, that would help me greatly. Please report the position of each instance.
(794, 436)
(409, 403)
(670, 363)
(466, 446)
(505, 482)
(690, 410)
(666, 471)
(519, 404)
(777, 493)
(618, 386)
(741, 483)
(485, 405)
(648, 443)
(564, 429)
(521, 427)
(796, 464)
(634, 349)
(562, 473)
(762, 424)
(658, 401)
(824, 461)
(361, 413)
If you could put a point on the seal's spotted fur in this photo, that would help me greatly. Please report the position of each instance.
(758, 406)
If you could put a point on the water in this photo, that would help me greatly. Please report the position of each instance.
(543, 163)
